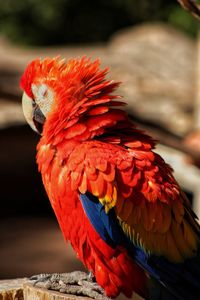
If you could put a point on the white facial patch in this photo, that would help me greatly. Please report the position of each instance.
(43, 97)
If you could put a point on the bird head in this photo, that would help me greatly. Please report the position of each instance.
(42, 81)
(38, 96)
(58, 92)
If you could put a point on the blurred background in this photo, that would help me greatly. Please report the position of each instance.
(153, 47)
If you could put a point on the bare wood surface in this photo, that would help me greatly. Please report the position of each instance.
(192, 139)
(21, 289)
(197, 88)
(12, 289)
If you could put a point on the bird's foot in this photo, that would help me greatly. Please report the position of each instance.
(76, 283)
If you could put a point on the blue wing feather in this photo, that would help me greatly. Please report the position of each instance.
(107, 226)
(178, 281)
(104, 224)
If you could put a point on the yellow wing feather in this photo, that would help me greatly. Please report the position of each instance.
(157, 229)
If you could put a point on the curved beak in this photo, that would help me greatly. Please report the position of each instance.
(33, 114)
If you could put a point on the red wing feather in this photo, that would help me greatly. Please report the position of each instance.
(146, 198)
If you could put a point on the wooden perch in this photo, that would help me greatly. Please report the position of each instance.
(20, 289)
(11, 289)
(34, 293)
(191, 6)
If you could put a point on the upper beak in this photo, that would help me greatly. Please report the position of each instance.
(32, 113)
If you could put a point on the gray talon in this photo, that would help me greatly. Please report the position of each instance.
(76, 283)
(40, 277)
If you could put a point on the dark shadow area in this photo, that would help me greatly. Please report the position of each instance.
(30, 239)
(22, 191)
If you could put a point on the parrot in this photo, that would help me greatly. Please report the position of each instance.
(116, 200)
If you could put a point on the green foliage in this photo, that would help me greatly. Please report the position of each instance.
(46, 22)
(183, 20)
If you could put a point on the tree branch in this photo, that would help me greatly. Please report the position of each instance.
(192, 6)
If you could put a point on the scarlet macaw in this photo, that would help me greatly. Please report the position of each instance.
(115, 199)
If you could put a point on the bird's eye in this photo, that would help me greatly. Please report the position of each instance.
(33, 104)
(42, 91)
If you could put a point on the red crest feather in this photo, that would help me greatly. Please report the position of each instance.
(78, 77)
